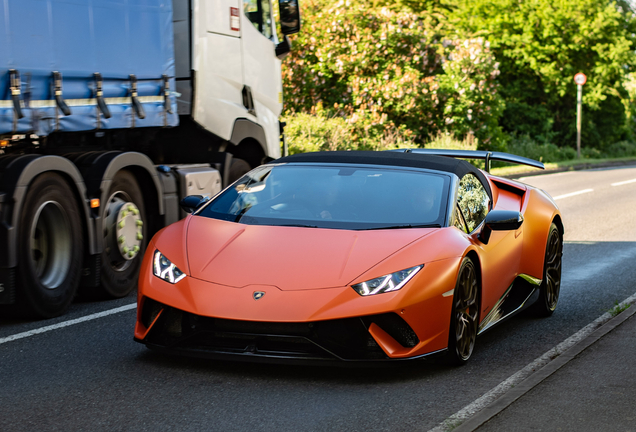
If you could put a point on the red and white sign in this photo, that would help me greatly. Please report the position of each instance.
(580, 78)
(234, 19)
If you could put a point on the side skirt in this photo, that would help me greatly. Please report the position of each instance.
(513, 300)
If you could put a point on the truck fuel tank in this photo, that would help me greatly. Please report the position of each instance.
(192, 179)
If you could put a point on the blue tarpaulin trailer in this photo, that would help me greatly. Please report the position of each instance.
(90, 54)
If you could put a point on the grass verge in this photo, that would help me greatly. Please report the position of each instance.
(570, 165)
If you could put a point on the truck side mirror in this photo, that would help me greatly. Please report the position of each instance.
(283, 48)
(192, 202)
(289, 17)
(500, 220)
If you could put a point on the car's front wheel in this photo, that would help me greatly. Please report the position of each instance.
(465, 315)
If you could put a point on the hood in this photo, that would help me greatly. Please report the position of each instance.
(289, 258)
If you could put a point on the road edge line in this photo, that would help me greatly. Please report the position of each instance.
(463, 415)
(63, 324)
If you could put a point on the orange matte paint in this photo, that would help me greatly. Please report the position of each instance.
(307, 273)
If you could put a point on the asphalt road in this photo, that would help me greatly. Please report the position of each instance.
(92, 376)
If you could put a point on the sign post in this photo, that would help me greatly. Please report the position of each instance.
(580, 79)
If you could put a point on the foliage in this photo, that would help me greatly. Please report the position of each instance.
(618, 308)
(543, 152)
(380, 67)
(548, 152)
(448, 141)
(473, 200)
(321, 132)
(620, 149)
(541, 44)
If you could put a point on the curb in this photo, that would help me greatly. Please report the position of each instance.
(536, 378)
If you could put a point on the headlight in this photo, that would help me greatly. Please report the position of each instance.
(164, 269)
(388, 283)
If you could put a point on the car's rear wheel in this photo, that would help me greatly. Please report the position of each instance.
(551, 284)
(465, 315)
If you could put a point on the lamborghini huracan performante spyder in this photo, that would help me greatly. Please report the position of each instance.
(351, 256)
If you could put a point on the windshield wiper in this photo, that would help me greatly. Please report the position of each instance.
(299, 225)
(241, 213)
(402, 226)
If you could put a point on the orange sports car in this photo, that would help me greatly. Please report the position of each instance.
(351, 256)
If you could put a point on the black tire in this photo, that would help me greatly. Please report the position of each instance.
(119, 273)
(464, 315)
(51, 245)
(551, 283)
(238, 168)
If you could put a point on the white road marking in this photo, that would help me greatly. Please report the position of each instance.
(574, 194)
(67, 323)
(479, 404)
(624, 182)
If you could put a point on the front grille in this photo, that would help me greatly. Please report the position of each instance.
(300, 329)
(347, 339)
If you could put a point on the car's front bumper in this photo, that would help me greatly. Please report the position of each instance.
(344, 340)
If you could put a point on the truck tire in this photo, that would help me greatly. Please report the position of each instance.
(51, 245)
(124, 234)
(238, 168)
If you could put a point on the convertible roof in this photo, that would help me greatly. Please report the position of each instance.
(414, 160)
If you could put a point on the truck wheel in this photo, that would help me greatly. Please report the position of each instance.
(50, 247)
(238, 168)
(124, 236)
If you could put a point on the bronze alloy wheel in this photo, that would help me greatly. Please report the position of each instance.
(551, 284)
(465, 315)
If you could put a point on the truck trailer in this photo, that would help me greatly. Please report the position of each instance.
(111, 112)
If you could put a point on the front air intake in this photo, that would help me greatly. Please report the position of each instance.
(395, 327)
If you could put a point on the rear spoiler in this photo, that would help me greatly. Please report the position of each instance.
(477, 154)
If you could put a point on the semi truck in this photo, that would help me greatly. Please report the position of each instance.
(111, 112)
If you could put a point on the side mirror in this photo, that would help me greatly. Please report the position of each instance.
(500, 220)
(283, 48)
(289, 16)
(192, 202)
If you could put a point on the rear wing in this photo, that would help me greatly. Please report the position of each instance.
(478, 154)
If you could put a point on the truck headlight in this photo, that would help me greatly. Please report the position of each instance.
(387, 283)
(164, 269)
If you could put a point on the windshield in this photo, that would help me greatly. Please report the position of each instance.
(334, 196)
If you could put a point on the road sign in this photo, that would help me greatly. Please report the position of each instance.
(580, 78)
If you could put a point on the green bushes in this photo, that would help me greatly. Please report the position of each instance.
(322, 132)
(546, 152)
(390, 71)
(394, 73)
(621, 149)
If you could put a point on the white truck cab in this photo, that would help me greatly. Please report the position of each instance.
(233, 96)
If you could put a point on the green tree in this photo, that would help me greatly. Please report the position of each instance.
(541, 44)
(385, 68)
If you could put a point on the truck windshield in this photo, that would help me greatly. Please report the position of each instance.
(334, 196)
